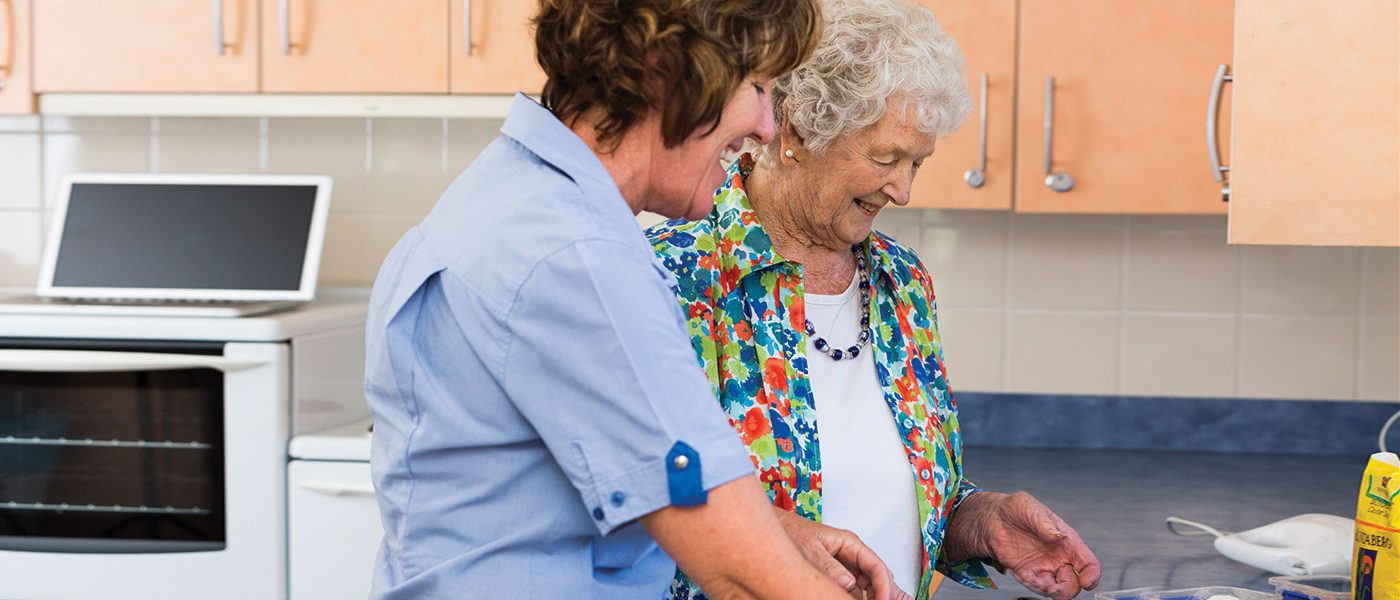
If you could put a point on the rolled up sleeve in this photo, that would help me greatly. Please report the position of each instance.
(597, 360)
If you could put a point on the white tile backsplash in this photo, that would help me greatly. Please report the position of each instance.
(1082, 304)
(20, 174)
(19, 248)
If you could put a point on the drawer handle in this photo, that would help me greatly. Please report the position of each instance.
(1217, 170)
(1056, 180)
(219, 45)
(284, 20)
(975, 178)
(338, 489)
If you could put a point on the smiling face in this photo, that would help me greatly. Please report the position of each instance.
(856, 177)
(685, 177)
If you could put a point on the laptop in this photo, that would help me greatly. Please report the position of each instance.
(154, 244)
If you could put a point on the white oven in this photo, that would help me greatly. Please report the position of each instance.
(153, 467)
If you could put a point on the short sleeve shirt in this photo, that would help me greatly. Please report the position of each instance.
(532, 385)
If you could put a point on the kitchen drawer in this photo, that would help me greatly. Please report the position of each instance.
(333, 529)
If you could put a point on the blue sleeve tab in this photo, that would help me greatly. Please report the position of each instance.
(683, 476)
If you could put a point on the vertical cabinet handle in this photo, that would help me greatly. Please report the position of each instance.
(467, 24)
(1057, 181)
(1217, 170)
(975, 178)
(9, 42)
(284, 19)
(219, 44)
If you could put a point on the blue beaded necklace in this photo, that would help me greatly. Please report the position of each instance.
(853, 351)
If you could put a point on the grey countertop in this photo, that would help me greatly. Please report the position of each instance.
(1117, 500)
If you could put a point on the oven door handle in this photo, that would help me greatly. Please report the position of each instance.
(81, 361)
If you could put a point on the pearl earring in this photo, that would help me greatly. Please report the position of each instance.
(788, 153)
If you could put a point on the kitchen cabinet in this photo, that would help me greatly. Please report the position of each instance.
(493, 48)
(956, 176)
(367, 46)
(1112, 97)
(1315, 153)
(16, 95)
(145, 45)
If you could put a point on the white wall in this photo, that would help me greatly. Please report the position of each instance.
(1028, 303)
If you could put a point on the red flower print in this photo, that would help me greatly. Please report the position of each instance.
(923, 470)
(743, 331)
(775, 374)
(755, 425)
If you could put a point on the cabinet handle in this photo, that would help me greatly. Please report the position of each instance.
(9, 42)
(978, 176)
(338, 488)
(284, 19)
(219, 44)
(467, 24)
(1056, 180)
(1217, 170)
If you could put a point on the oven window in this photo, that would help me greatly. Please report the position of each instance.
(112, 462)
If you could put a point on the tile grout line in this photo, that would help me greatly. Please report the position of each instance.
(263, 159)
(1126, 239)
(1359, 365)
(1240, 267)
(153, 164)
(1007, 264)
(445, 133)
(369, 145)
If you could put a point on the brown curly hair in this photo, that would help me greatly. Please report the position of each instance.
(625, 58)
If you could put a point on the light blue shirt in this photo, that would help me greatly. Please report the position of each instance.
(533, 386)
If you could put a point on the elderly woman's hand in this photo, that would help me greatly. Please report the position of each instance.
(843, 557)
(1026, 538)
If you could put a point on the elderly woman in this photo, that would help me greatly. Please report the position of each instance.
(810, 326)
(541, 427)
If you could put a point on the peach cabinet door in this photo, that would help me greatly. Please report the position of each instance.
(502, 41)
(1132, 83)
(348, 46)
(986, 31)
(146, 46)
(16, 93)
(1315, 157)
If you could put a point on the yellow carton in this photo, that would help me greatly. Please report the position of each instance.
(1376, 567)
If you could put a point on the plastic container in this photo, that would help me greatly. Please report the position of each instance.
(1208, 592)
(1128, 594)
(1313, 587)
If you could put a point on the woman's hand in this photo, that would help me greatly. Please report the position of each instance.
(1026, 538)
(843, 557)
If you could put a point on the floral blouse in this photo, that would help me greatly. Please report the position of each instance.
(745, 310)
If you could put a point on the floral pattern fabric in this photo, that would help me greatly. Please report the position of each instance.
(745, 310)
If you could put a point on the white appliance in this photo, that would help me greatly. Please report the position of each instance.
(145, 457)
(1308, 544)
(334, 526)
(181, 245)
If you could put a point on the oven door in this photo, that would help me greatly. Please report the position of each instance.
(142, 470)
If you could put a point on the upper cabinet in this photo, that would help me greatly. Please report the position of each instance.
(1082, 106)
(972, 167)
(493, 48)
(1315, 153)
(146, 45)
(369, 46)
(16, 95)
(1112, 103)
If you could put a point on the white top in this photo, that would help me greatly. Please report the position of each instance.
(868, 486)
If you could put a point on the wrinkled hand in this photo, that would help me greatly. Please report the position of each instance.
(843, 557)
(1029, 540)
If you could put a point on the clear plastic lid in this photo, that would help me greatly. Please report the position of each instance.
(1214, 592)
(1128, 594)
(1313, 587)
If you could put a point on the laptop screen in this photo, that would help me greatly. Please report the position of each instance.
(233, 240)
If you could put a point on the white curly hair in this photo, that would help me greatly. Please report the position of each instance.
(873, 51)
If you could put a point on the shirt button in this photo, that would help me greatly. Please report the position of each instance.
(681, 462)
(618, 498)
(598, 514)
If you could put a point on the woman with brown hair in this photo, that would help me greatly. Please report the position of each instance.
(541, 426)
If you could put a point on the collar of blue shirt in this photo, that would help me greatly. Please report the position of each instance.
(539, 131)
